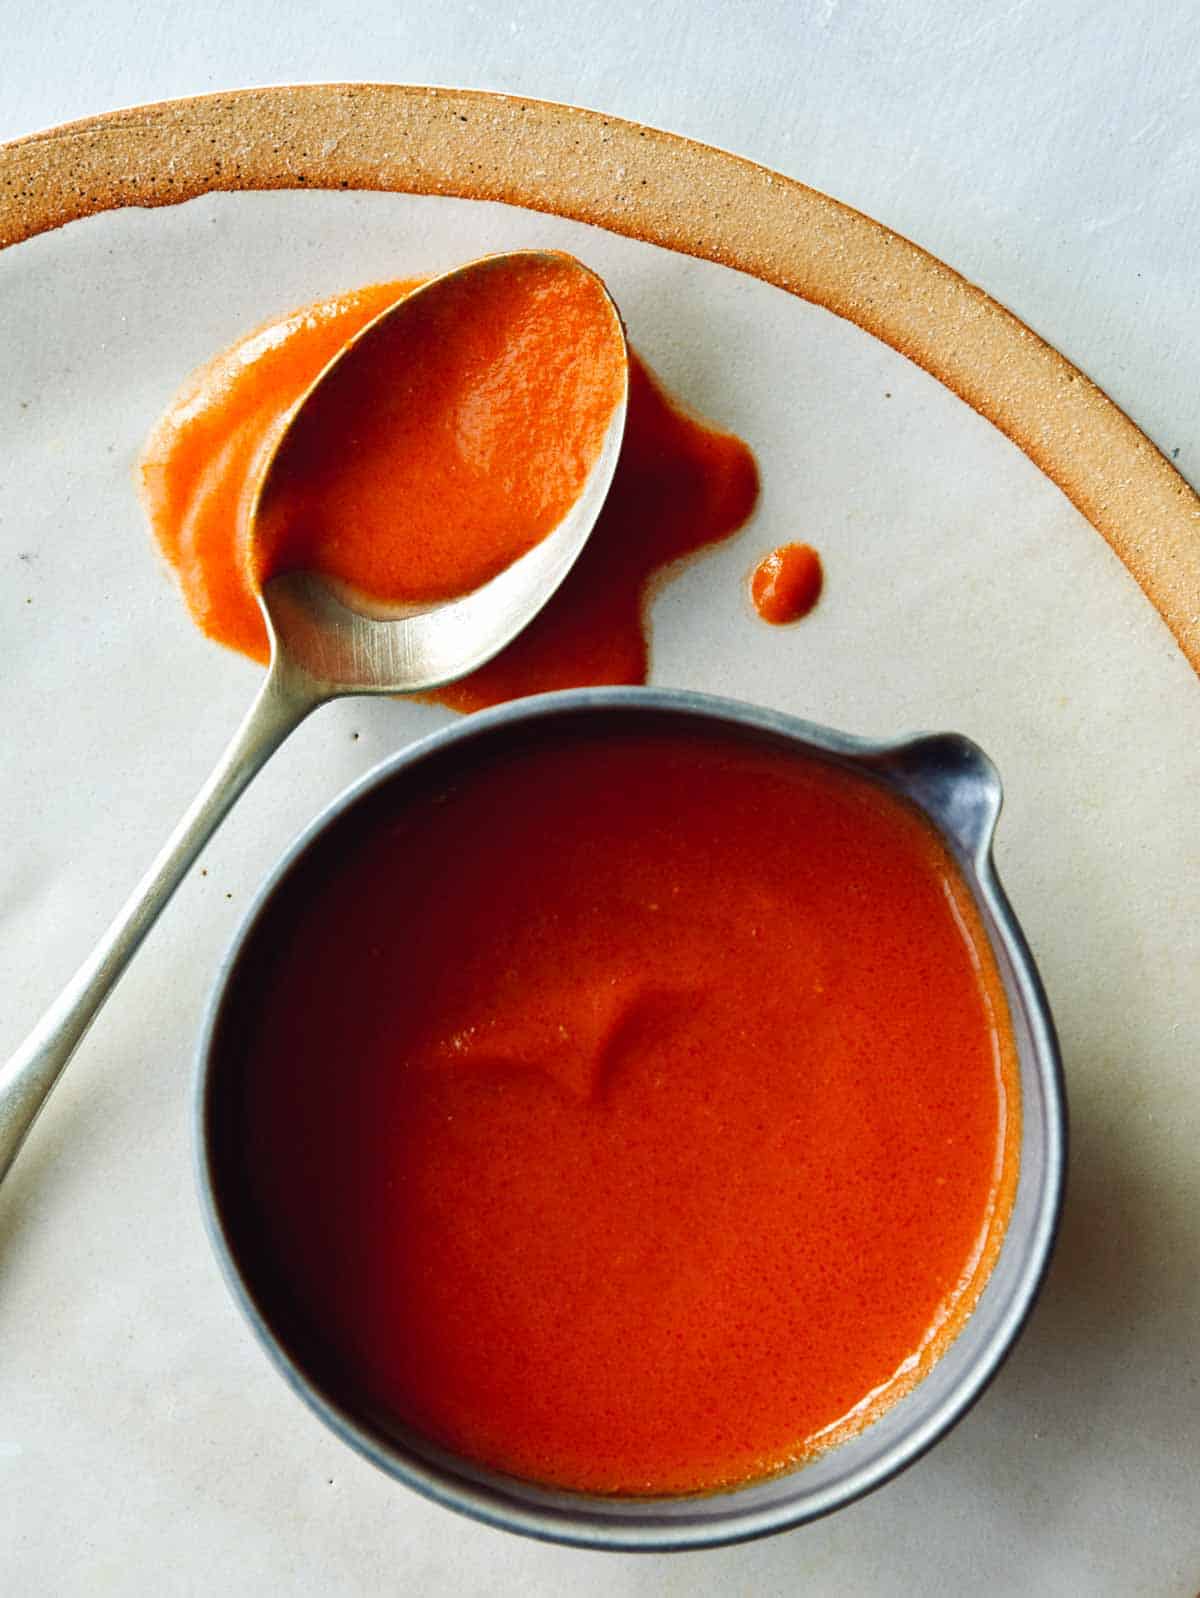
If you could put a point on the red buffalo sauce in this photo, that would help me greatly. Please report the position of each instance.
(633, 1111)
(786, 584)
(457, 467)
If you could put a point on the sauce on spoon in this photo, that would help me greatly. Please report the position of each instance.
(680, 484)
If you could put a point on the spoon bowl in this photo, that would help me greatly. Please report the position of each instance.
(325, 643)
(350, 644)
(345, 645)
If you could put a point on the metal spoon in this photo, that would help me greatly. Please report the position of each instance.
(321, 649)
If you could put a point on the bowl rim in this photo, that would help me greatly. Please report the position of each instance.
(572, 1521)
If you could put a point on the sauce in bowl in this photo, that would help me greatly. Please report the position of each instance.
(629, 1108)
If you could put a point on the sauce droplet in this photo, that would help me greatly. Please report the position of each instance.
(786, 584)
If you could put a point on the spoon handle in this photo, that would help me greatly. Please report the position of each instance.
(27, 1077)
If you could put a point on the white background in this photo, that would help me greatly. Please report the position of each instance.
(1049, 150)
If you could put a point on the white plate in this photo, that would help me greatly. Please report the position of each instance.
(145, 1444)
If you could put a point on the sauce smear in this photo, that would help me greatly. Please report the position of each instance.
(632, 1111)
(412, 513)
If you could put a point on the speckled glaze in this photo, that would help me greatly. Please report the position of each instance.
(958, 788)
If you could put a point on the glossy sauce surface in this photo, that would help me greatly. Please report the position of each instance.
(456, 437)
(633, 1110)
(680, 484)
(786, 584)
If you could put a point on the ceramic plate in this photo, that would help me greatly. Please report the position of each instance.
(953, 470)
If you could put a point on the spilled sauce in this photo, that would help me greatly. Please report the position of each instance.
(680, 484)
(631, 1111)
(786, 584)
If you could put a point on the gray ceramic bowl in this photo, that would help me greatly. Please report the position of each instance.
(955, 784)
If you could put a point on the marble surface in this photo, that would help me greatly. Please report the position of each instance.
(145, 1445)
